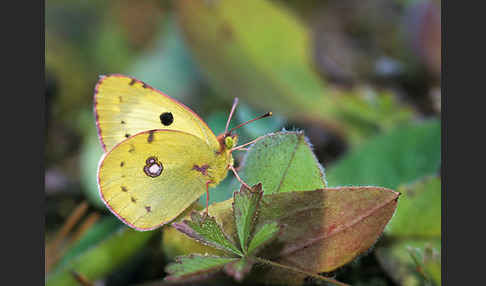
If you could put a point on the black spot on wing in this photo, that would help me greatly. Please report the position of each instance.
(166, 118)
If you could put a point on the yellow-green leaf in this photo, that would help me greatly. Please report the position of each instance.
(266, 58)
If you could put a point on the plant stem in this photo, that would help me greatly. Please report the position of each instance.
(327, 279)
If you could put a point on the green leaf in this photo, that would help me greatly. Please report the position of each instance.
(240, 268)
(102, 259)
(401, 156)
(206, 230)
(196, 265)
(96, 234)
(241, 53)
(419, 212)
(283, 162)
(245, 206)
(262, 236)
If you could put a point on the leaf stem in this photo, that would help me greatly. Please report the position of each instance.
(320, 277)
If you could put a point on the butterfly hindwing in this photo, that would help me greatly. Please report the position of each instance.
(125, 106)
(150, 178)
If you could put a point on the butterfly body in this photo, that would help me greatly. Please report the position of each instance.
(160, 157)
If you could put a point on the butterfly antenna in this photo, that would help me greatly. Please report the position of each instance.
(235, 102)
(268, 114)
(242, 147)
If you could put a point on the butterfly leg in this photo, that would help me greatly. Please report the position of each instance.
(238, 177)
(207, 196)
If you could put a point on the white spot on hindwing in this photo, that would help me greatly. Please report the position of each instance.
(153, 168)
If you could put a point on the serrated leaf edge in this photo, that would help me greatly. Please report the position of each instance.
(244, 191)
(187, 230)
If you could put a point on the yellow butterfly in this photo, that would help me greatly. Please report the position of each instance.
(161, 155)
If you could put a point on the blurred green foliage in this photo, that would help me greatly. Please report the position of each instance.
(400, 156)
(101, 250)
(359, 79)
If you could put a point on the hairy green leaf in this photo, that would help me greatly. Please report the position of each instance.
(206, 230)
(283, 162)
(262, 236)
(196, 265)
(399, 157)
(245, 206)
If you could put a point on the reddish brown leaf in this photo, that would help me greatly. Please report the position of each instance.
(322, 229)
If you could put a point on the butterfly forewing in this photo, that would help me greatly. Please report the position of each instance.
(125, 106)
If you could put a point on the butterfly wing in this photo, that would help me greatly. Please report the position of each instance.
(125, 106)
(148, 179)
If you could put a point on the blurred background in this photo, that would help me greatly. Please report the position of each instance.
(360, 78)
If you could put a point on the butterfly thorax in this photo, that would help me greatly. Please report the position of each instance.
(224, 157)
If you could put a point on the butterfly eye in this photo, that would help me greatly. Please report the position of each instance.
(166, 118)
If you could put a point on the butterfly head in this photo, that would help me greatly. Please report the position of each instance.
(227, 141)
(230, 140)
